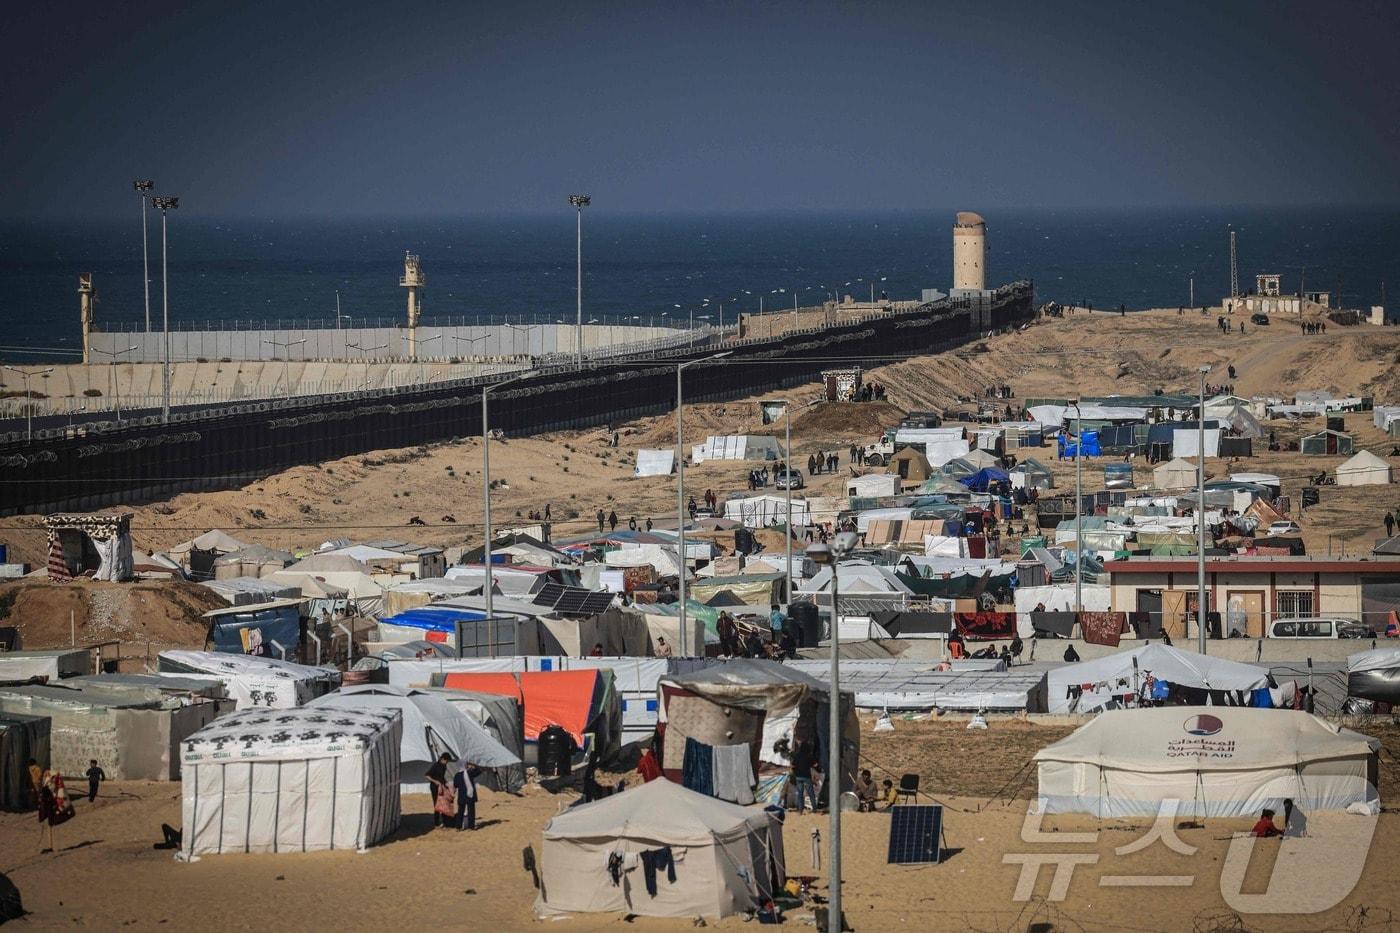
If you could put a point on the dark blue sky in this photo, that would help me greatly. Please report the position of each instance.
(354, 108)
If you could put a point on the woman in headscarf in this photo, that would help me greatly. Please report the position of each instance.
(54, 806)
(464, 783)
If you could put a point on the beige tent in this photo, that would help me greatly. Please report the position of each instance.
(910, 466)
(728, 858)
(1174, 474)
(1363, 469)
(981, 458)
(215, 540)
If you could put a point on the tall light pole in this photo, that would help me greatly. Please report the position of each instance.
(579, 201)
(114, 384)
(1078, 508)
(787, 432)
(840, 546)
(286, 358)
(366, 351)
(28, 399)
(422, 379)
(1201, 517)
(165, 205)
(142, 186)
(486, 391)
(680, 484)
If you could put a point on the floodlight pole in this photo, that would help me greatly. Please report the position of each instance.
(841, 545)
(680, 487)
(1078, 508)
(1201, 517)
(28, 399)
(486, 499)
(142, 186)
(165, 205)
(579, 201)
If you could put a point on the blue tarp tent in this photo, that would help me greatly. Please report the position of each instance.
(979, 481)
(1091, 445)
(253, 629)
(442, 619)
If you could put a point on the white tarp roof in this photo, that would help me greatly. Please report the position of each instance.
(1157, 739)
(1056, 414)
(908, 684)
(939, 452)
(1185, 442)
(655, 462)
(287, 735)
(645, 555)
(662, 811)
(765, 510)
(1173, 665)
(856, 579)
(1377, 659)
(269, 683)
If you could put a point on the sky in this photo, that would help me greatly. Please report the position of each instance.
(352, 108)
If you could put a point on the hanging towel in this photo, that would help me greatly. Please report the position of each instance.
(1161, 690)
(698, 768)
(1262, 698)
(733, 773)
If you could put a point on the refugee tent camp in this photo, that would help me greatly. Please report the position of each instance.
(1215, 762)
(911, 466)
(296, 780)
(1125, 672)
(431, 727)
(1174, 474)
(583, 702)
(504, 719)
(1363, 469)
(732, 856)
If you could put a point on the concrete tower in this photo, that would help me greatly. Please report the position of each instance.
(969, 252)
(412, 280)
(87, 296)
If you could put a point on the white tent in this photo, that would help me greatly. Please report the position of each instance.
(215, 540)
(1174, 474)
(655, 462)
(728, 858)
(737, 447)
(659, 556)
(766, 510)
(294, 780)
(981, 458)
(873, 485)
(1181, 668)
(1220, 761)
(939, 452)
(431, 726)
(1363, 469)
(255, 682)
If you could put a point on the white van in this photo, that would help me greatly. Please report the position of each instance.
(1330, 627)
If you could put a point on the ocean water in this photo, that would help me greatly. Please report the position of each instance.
(655, 266)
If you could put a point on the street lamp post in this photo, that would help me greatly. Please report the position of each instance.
(422, 369)
(113, 383)
(142, 186)
(165, 205)
(486, 391)
(1078, 509)
(680, 484)
(286, 358)
(787, 438)
(1201, 517)
(366, 351)
(28, 399)
(579, 201)
(840, 546)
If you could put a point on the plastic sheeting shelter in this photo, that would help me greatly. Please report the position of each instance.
(1364, 469)
(1186, 442)
(266, 683)
(763, 511)
(265, 629)
(873, 486)
(572, 700)
(431, 727)
(1177, 667)
(737, 447)
(1030, 473)
(299, 780)
(982, 480)
(1327, 442)
(655, 462)
(729, 859)
(1215, 761)
(22, 737)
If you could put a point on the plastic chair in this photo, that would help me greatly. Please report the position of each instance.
(908, 787)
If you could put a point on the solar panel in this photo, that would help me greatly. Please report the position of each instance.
(573, 600)
(915, 832)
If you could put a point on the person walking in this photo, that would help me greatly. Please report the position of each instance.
(632, 523)
(546, 512)
(601, 520)
(811, 464)
(464, 786)
(648, 523)
(95, 776)
(612, 520)
(1389, 525)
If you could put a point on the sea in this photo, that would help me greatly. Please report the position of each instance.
(655, 268)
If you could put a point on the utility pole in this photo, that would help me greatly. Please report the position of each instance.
(1234, 268)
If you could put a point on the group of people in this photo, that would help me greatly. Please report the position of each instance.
(1226, 325)
(823, 461)
(1314, 327)
(757, 479)
(1008, 654)
(997, 391)
(454, 792)
(869, 392)
(736, 642)
(537, 515)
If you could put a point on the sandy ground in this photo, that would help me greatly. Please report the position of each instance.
(105, 874)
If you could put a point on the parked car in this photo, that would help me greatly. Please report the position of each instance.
(787, 479)
(1261, 319)
(1319, 628)
(1284, 528)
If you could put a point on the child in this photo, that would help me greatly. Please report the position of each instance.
(95, 776)
(888, 796)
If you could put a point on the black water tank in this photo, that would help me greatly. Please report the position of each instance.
(556, 749)
(806, 624)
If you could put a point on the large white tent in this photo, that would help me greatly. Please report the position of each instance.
(254, 682)
(737, 447)
(765, 510)
(431, 726)
(1363, 469)
(1221, 761)
(729, 858)
(873, 485)
(655, 461)
(1162, 662)
(1174, 474)
(292, 780)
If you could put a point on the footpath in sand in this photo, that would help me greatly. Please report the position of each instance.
(105, 875)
